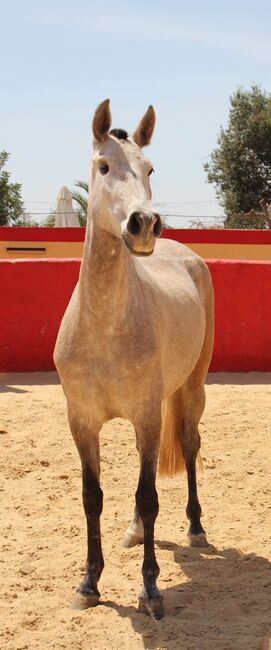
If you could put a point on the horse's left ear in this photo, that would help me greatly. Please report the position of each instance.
(102, 121)
(143, 134)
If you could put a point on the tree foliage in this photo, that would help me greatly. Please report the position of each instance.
(240, 165)
(49, 221)
(11, 205)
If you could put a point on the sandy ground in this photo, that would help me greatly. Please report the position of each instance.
(218, 598)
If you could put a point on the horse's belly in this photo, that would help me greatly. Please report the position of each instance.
(181, 346)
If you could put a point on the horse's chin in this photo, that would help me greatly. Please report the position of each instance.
(134, 251)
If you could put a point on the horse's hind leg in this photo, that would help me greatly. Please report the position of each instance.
(86, 437)
(134, 533)
(193, 403)
(193, 399)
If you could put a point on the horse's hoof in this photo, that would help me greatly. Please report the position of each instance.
(82, 601)
(199, 540)
(152, 607)
(131, 539)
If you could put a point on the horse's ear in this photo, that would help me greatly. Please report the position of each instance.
(143, 134)
(102, 121)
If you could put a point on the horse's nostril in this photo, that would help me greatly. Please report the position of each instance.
(157, 228)
(135, 223)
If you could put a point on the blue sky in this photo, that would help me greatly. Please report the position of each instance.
(60, 59)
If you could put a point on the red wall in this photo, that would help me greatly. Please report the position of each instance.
(242, 315)
(183, 235)
(34, 295)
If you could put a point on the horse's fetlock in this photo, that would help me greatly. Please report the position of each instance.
(94, 569)
(150, 571)
(193, 511)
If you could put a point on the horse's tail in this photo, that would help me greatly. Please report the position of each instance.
(171, 460)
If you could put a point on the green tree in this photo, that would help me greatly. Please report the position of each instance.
(49, 221)
(240, 166)
(11, 205)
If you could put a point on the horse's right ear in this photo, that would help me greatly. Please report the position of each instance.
(102, 121)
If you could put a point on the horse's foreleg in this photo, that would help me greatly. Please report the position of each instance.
(93, 505)
(87, 441)
(150, 600)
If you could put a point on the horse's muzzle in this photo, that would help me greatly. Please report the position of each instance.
(141, 231)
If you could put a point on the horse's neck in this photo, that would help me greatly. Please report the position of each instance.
(104, 276)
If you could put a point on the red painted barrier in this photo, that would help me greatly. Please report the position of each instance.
(183, 235)
(242, 315)
(35, 293)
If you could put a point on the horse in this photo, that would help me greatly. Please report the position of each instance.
(135, 342)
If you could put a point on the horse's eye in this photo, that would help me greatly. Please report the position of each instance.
(151, 171)
(104, 169)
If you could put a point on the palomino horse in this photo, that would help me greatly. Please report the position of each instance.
(135, 342)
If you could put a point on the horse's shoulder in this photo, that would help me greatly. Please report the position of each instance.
(195, 264)
(187, 258)
(199, 272)
(171, 247)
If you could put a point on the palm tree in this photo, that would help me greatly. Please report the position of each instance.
(82, 201)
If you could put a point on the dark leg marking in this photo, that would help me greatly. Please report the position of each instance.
(93, 505)
(193, 509)
(191, 446)
(150, 600)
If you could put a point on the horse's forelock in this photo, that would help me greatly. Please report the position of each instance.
(120, 134)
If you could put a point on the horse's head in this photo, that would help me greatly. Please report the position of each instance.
(120, 192)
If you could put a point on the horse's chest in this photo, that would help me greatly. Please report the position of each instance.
(110, 370)
(119, 361)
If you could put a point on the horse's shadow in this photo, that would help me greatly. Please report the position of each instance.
(223, 603)
(6, 388)
(7, 381)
